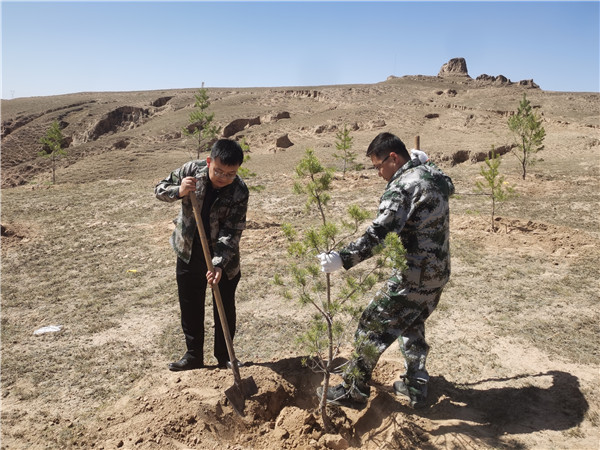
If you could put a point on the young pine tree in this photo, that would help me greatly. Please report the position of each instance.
(200, 124)
(494, 184)
(336, 306)
(52, 146)
(344, 145)
(526, 126)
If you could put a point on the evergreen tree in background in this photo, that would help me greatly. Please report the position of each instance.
(52, 142)
(201, 123)
(344, 144)
(529, 134)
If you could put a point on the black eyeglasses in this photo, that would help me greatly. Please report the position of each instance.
(227, 176)
(380, 165)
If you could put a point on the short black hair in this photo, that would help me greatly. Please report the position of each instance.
(229, 152)
(386, 143)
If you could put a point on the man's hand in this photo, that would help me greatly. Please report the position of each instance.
(188, 184)
(330, 262)
(215, 276)
(419, 154)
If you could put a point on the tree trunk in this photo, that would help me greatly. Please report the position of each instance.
(493, 213)
(327, 425)
(524, 162)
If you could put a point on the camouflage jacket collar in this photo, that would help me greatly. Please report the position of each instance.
(412, 163)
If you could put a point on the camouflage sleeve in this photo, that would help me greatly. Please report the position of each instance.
(393, 211)
(227, 246)
(167, 189)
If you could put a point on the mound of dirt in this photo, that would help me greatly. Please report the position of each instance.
(190, 410)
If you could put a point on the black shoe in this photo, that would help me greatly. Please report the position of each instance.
(227, 364)
(341, 396)
(186, 363)
(415, 391)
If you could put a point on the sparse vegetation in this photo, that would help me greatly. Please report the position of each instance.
(517, 323)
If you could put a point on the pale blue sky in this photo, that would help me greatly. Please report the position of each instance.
(53, 48)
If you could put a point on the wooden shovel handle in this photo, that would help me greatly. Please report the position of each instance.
(215, 288)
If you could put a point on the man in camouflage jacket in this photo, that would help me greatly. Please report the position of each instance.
(415, 206)
(224, 199)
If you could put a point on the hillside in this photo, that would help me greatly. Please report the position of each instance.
(514, 359)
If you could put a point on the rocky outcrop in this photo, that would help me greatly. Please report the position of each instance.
(499, 151)
(120, 119)
(160, 102)
(275, 117)
(502, 80)
(377, 123)
(454, 67)
(462, 156)
(304, 93)
(529, 83)
(284, 142)
(238, 125)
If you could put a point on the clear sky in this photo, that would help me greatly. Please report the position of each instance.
(51, 48)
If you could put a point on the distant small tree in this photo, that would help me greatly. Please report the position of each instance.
(344, 144)
(526, 126)
(494, 185)
(335, 308)
(200, 124)
(52, 146)
(246, 173)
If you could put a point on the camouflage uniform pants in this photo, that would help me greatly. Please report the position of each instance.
(397, 312)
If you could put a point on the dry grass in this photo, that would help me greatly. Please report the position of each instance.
(91, 253)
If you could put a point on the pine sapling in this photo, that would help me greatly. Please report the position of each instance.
(344, 145)
(52, 146)
(200, 124)
(526, 126)
(335, 306)
(494, 184)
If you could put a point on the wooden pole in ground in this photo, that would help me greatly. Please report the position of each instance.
(417, 142)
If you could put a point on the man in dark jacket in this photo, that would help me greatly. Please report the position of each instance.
(415, 206)
(224, 199)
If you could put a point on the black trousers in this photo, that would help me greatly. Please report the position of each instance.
(191, 286)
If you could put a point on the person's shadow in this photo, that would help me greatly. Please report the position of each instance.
(487, 413)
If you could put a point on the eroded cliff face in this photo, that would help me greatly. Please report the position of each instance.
(469, 113)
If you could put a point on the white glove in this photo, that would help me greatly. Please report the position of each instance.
(414, 153)
(330, 262)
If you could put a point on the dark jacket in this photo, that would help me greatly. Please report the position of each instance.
(227, 216)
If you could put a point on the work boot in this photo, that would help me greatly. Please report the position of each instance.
(340, 395)
(186, 363)
(414, 390)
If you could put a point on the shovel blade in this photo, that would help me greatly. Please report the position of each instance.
(236, 398)
(237, 394)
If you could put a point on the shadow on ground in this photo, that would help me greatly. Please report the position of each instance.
(491, 413)
(479, 411)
